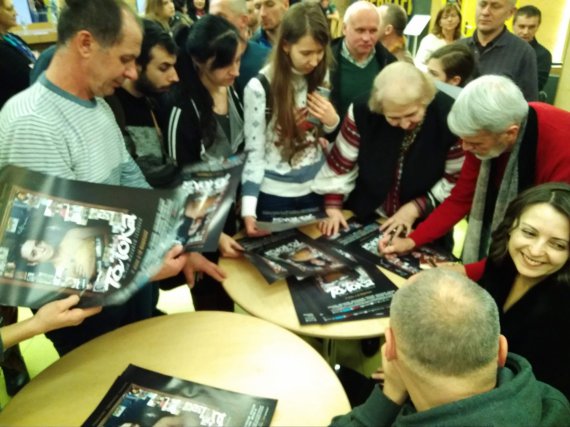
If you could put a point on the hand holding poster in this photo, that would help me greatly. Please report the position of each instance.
(60, 237)
(210, 189)
(361, 240)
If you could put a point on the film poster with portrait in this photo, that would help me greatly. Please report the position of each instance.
(60, 237)
(210, 190)
(361, 240)
(291, 253)
(141, 397)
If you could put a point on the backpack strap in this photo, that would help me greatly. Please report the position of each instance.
(268, 98)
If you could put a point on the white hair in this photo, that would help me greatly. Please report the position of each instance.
(401, 83)
(357, 6)
(490, 103)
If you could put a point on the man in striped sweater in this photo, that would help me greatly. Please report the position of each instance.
(62, 126)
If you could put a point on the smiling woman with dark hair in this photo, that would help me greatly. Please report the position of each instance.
(528, 275)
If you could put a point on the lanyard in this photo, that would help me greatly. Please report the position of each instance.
(20, 45)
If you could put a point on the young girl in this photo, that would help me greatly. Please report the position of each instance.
(160, 11)
(206, 122)
(528, 275)
(283, 147)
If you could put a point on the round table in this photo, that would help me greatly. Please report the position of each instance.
(226, 350)
(247, 287)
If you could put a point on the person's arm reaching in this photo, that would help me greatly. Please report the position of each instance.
(254, 168)
(422, 206)
(53, 315)
(338, 175)
(445, 216)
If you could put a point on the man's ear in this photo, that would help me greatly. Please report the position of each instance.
(84, 43)
(513, 10)
(390, 349)
(503, 350)
(455, 81)
(389, 29)
(512, 133)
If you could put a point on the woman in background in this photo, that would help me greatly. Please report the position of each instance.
(528, 275)
(197, 9)
(446, 30)
(284, 152)
(161, 11)
(16, 57)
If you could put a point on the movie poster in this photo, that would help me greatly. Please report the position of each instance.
(140, 397)
(210, 190)
(361, 240)
(358, 293)
(60, 237)
(288, 222)
(292, 253)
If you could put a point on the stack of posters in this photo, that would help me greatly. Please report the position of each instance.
(291, 221)
(145, 398)
(292, 253)
(362, 292)
(361, 240)
(60, 237)
(327, 283)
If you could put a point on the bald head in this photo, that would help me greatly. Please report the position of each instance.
(234, 11)
(445, 324)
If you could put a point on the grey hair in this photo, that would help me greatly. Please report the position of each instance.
(490, 103)
(445, 324)
(357, 6)
(402, 83)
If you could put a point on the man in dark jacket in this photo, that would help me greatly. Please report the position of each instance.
(525, 25)
(359, 57)
(445, 363)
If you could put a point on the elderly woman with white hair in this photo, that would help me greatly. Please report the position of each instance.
(510, 146)
(394, 155)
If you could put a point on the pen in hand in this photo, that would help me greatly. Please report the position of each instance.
(395, 232)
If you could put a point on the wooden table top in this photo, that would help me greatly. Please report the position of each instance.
(247, 287)
(226, 350)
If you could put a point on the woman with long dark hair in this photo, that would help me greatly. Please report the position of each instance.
(206, 122)
(528, 275)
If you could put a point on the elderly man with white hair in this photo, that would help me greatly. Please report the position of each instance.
(445, 363)
(510, 145)
(358, 55)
